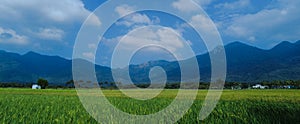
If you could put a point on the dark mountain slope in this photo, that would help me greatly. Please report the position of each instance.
(244, 64)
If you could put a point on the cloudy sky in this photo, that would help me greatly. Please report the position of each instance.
(50, 26)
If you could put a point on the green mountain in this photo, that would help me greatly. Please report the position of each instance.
(244, 64)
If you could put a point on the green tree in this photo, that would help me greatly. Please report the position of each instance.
(70, 83)
(43, 83)
(289, 82)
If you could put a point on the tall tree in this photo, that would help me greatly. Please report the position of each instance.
(43, 83)
(70, 83)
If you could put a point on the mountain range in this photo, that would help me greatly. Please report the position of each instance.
(244, 64)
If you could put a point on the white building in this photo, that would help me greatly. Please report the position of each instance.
(258, 86)
(35, 86)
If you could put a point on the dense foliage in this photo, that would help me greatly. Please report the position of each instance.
(43, 83)
(276, 84)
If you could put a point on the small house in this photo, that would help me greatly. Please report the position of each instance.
(35, 86)
(258, 86)
(287, 87)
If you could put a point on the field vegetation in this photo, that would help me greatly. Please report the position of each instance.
(235, 106)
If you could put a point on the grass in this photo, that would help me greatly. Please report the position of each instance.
(235, 106)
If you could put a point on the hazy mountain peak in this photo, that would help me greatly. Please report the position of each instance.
(297, 42)
(284, 45)
(240, 48)
(31, 53)
(235, 43)
(238, 44)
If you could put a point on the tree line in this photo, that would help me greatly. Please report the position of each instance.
(276, 84)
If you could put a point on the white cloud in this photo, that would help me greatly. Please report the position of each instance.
(273, 24)
(93, 20)
(89, 55)
(167, 37)
(252, 38)
(203, 23)
(38, 19)
(51, 34)
(185, 5)
(200, 21)
(163, 42)
(9, 36)
(54, 11)
(124, 10)
(134, 19)
(92, 46)
(190, 5)
(204, 3)
(240, 4)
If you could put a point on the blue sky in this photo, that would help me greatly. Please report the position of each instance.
(50, 26)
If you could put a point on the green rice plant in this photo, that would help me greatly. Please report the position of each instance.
(235, 106)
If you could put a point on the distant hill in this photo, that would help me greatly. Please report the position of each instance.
(244, 64)
(29, 67)
(250, 64)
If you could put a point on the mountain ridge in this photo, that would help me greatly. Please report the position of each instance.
(245, 63)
